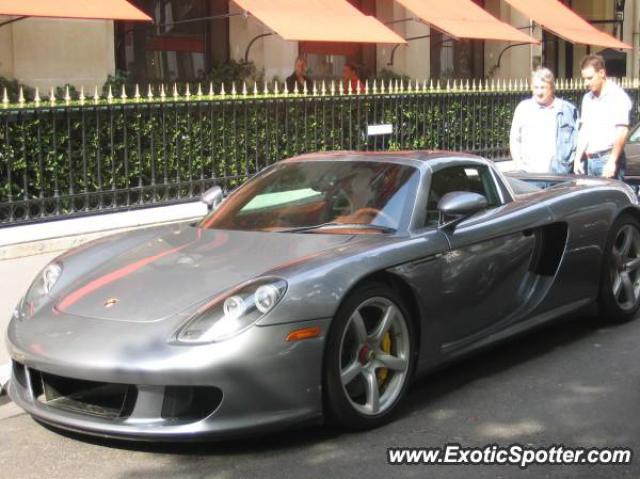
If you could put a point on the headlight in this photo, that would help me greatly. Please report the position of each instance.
(50, 276)
(234, 312)
(39, 290)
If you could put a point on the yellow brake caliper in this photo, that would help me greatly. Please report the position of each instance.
(383, 373)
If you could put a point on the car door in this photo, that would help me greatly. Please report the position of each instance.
(485, 273)
(632, 152)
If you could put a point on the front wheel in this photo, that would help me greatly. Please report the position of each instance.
(620, 281)
(369, 358)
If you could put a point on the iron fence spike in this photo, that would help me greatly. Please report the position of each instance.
(81, 97)
(199, 92)
(36, 97)
(96, 96)
(5, 97)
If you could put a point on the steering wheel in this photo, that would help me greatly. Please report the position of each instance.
(338, 203)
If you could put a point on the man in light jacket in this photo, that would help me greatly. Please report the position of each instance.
(544, 129)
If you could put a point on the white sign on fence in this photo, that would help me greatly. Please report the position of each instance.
(373, 130)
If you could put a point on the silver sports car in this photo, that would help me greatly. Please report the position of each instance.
(318, 289)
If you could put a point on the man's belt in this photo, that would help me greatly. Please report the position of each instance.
(599, 154)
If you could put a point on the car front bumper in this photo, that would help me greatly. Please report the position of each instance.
(256, 381)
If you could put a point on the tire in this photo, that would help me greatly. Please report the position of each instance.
(619, 297)
(369, 358)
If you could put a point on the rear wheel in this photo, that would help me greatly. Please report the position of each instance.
(620, 282)
(369, 358)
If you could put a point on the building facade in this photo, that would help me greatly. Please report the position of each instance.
(192, 39)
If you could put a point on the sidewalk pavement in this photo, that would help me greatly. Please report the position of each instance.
(26, 249)
(60, 235)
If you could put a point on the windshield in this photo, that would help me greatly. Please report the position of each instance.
(321, 196)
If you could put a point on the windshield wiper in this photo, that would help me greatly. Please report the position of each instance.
(360, 226)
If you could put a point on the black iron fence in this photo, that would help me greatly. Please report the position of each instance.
(66, 159)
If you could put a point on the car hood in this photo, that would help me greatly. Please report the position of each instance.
(175, 270)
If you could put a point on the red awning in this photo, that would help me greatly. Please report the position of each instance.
(78, 9)
(565, 23)
(465, 19)
(319, 21)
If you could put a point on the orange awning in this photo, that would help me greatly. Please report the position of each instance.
(78, 9)
(565, 23)
(465, 19)
(319, 21)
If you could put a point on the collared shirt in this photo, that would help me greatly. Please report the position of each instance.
(602, 115)
(534, 135)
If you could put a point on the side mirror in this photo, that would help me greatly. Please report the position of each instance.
(460, 204)
(212, 197)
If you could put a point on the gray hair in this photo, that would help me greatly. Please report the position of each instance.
(545, 75)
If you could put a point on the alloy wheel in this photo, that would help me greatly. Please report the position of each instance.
(625, 267)
(374, 356)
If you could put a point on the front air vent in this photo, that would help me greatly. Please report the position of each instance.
(190, 403)
(105, 400)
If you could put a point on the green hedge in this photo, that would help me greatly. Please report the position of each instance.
(67, 159)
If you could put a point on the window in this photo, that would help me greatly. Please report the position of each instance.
(180, 45)
(326, 59)
(472, 178)
(461, 58)
(313, 193)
